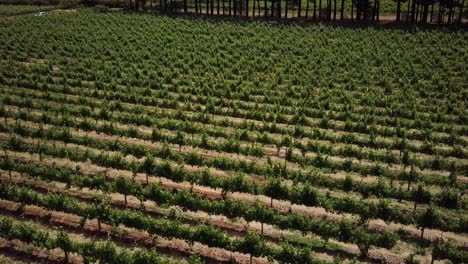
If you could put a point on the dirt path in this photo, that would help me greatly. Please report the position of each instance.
(270, 151)
(268, 230)
(280, 206)
(177, 246)
(308, 129)
(188, 168)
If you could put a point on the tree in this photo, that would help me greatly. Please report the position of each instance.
(101, 210)
(87, 250)
(190, 128)
(275, 189)
(8, 165)
(366, 213)
(253, 245)
(421, 195)
(148, 167)
(430, 218)
(63, 242)
(145, 257)
(363, 240)
(123, 186)
(286, 142)
(140, 193)
(309, 196)
(135, 167)
(412, 176)
(180, 140)
(4, 113)
(263, 214)
(348, 183)
(106, 252)
(345, 230)
(291, 254)
(450, 198)
(453, 175)
(405, 160)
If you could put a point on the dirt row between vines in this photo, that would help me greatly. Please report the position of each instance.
(271, 152)
(362, 136)
(76, 235)
(90, 84)
(177, 247)
(213, 194)
(237, 120)
(237, 229)
(188, 168)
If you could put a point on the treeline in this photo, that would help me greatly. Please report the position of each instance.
(410, 11)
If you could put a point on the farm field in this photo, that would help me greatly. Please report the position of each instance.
(141, 138)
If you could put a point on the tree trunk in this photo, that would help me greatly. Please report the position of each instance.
(66, 256)
(450, 15)
(413, 11)
(352, 10)
(265, 7)
(125, 198)
(358, 10)
(439, 16)
(409, 185)
(261, 232)
(307, 9)
(247, 8)
(422, 233)
(432, 10)
(320, 9)
(253, 8)
(240, 8)
(408, 12)
(415, 205)
(461, 12)
(99, 224)
(417, 11)
(185, 6)
(286, 9)
(315, 10)
(299, 10)
(279, 8)
(342, 10)
(378, 10)
(398, 14)
(334, 10)
(425, 13)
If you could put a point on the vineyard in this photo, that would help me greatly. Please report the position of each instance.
(141, 138)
